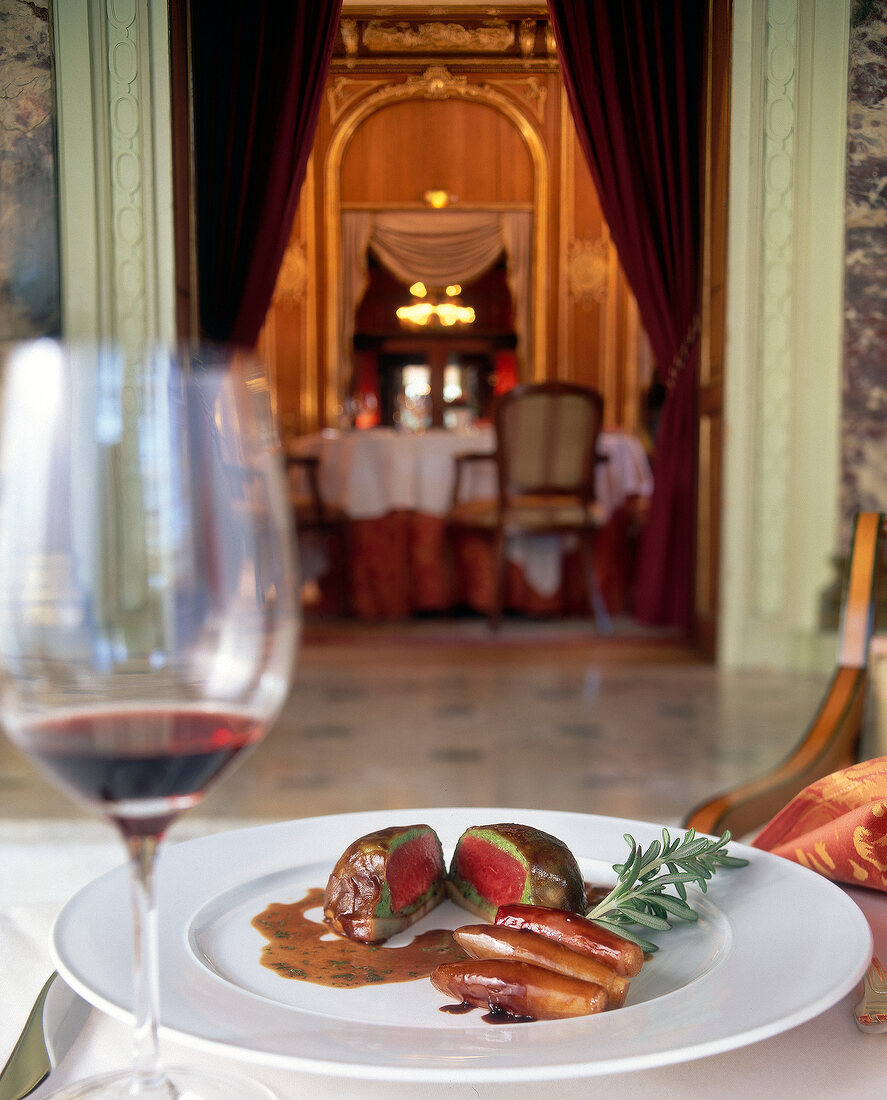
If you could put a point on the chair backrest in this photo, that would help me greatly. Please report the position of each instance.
(308, 505)
(832, 739)
(547, 436)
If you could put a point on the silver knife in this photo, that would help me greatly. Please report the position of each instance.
(49, 1033)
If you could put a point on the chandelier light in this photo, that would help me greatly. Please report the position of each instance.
(433, 307)
(437, 198)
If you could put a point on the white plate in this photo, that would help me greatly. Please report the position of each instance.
(775, 946)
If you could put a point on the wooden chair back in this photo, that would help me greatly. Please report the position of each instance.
(547, 436)
(832, 740)
(311, 511)
(316, 516)
(546, 451)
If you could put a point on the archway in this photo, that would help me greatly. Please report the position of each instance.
(436, 84)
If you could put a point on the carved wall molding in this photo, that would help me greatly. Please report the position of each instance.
(526, 37)
(529, 88)
(492, 36)
(783, 332)
(345, 90)
(292, 280)
(776, 365)
(115, 196)
(379, 37)
(588, 270)
(127, 68)
(350, 36)
(435, 82)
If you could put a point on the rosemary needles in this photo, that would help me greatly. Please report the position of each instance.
(639, 895)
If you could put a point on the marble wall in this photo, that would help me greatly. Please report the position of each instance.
(864, 414)
(29, 257)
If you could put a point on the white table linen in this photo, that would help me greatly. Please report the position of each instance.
(825, 1057)
(369, 474)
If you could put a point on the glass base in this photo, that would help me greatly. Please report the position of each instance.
(179, 1083)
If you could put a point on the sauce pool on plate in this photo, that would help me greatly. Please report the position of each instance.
(308, 951)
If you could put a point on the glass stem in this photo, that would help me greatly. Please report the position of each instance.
(148, 1075)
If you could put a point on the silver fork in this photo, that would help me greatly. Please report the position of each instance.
(871, 1012)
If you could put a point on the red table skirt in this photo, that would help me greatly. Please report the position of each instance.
(405, 563)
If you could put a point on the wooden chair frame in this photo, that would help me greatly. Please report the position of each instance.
(832, 740)
(313, 514)
(507, 517)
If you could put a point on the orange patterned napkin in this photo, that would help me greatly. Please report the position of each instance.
(837, 826)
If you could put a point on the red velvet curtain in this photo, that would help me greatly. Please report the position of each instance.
(634, 76)
(258, 71)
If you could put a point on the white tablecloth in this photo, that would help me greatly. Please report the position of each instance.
(371, 473)
(824, 1057)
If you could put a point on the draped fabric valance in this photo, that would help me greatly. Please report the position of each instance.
(438, 247)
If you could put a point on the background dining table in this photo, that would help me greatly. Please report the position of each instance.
(396, 488)
(826, 1056)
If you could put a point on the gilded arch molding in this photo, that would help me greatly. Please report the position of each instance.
(436, 82)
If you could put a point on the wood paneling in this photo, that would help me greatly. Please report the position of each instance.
(468, 149)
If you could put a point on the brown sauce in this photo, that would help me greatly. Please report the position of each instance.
(498, 1015)
(495, 1015)
(297, 950)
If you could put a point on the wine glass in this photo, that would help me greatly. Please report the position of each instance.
(148, 618)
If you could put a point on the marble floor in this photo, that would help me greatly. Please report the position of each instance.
(541, 715)
(544, 715)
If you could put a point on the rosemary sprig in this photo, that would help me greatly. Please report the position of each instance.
(639, 896)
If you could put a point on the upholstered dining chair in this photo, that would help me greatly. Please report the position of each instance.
(832, 740)
(546, 451)
(314, 514)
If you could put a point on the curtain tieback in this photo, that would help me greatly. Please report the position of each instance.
(683, 353)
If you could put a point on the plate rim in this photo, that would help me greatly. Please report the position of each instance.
(359, 822)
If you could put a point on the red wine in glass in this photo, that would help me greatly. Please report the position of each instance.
(148, 610)
(142, 768)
